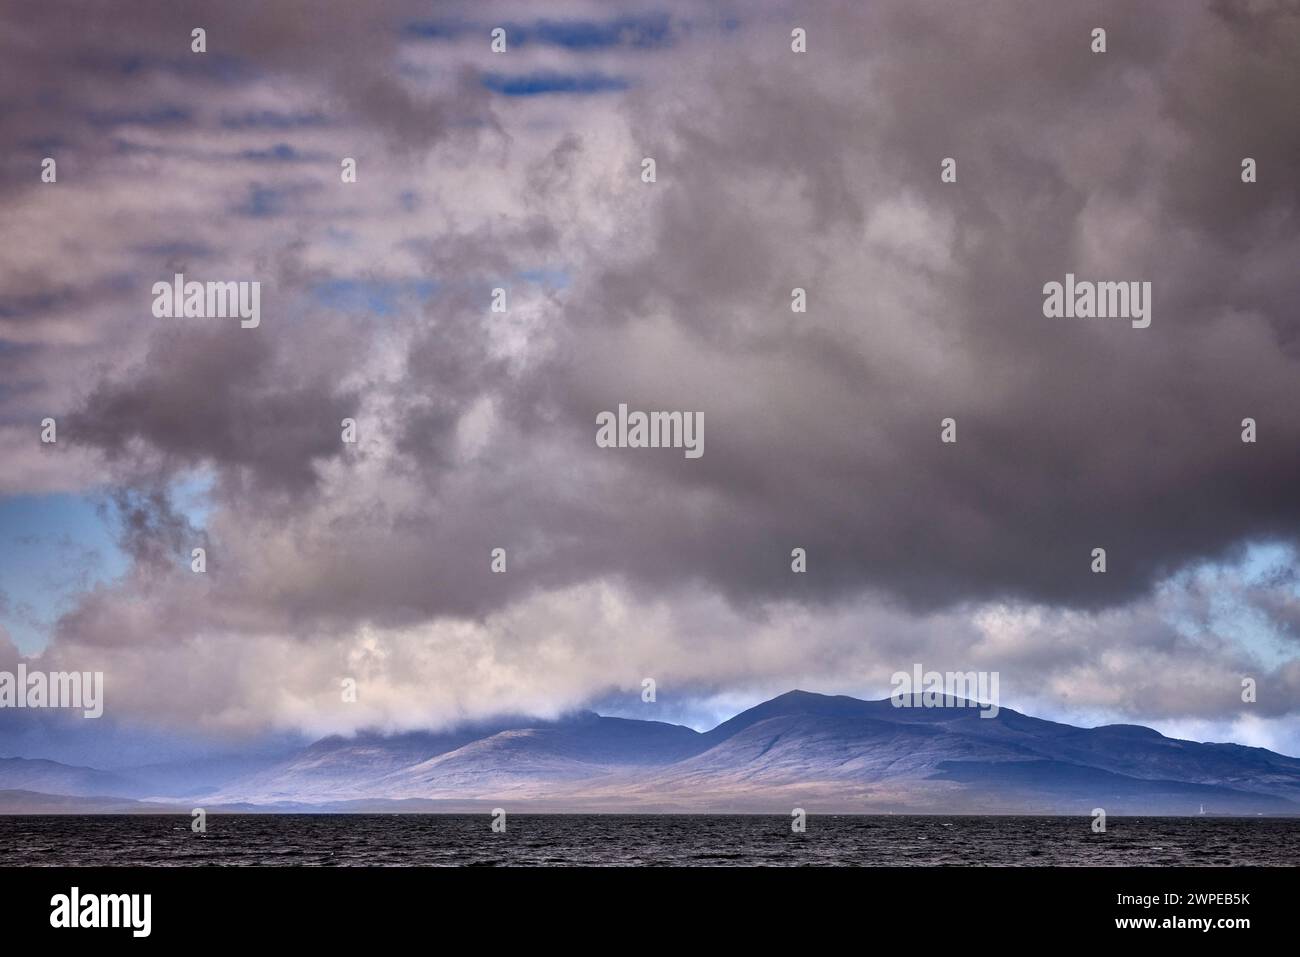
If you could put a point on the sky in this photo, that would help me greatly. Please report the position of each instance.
(522, 170)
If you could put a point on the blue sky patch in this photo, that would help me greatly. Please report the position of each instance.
(379, 296)
(280, 153)
(52, 548)
(536, 84)
(635, 32)
(161, 116)
(273, 120)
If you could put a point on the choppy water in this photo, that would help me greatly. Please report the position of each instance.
(555, 839)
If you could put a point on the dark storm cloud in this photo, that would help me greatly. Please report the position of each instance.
(220, 396)
(1071, 436)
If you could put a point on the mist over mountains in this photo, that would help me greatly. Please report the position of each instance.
(827, 754)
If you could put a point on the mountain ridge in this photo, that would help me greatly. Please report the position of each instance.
(824, 752)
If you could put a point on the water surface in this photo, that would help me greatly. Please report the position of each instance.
(595, 839)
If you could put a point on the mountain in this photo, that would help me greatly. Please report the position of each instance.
(828, 754)
(507, 757)
(51, 777)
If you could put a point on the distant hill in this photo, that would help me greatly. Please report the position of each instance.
(51, 777)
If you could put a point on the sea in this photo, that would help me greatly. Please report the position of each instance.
(334, 840)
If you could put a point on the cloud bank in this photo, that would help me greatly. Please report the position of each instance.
(775, 170)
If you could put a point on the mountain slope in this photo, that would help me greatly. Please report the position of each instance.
(824, 753)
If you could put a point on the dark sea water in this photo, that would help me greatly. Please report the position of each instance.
(578, 839)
